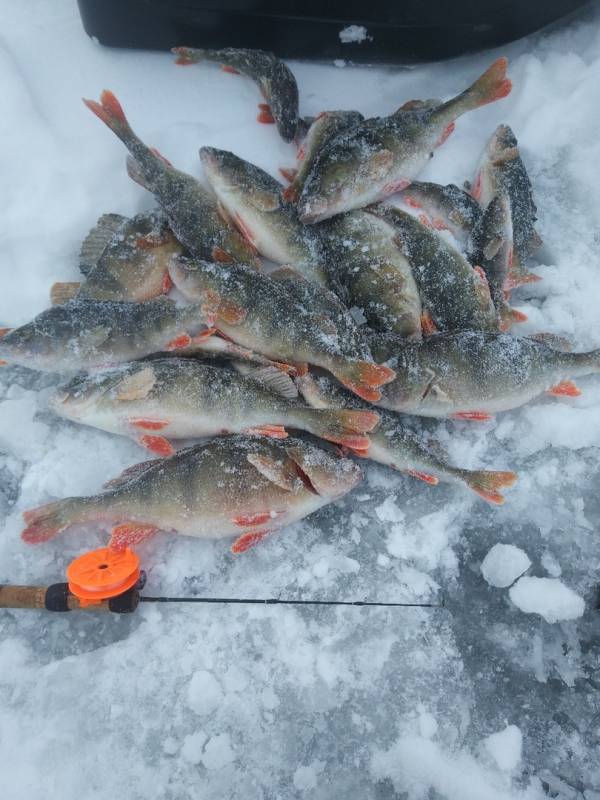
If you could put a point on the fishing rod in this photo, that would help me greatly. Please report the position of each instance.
(107, 580)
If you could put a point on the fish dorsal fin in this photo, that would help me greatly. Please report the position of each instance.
(135, 386)
(278, 472)
(271, 377)
(98, 239)
(130, 473)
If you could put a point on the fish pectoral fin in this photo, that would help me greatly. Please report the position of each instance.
(492, 246)
(428, 326)
(278, 472)
(4, 331)
(288, 173)
(286, 273)
(148, 424)
(136, 386)
(264, 115)
(273, 431)
(230, 312)
(93, 338)
(423, 476)
(183, 340)
(473, 416)
(257, 518)
(157, 444)
(248, 540)
(201, 337)
(129, 533)
(151, 240)
(265, 200)
(565, 389)
(270, 376)
(221, 255)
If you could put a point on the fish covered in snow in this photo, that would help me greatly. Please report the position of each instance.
(164, 399)
(454, 295)
(472, 375)
(291, 321)
(502, 171)
(92, 334)
(233, 486)
(398, 443)
(191, 210)
(323, 129)
(444, 208)
(274, 79)
(382, 155)
(495, 257)
(123, 259)
(253, 201)
(364, 255)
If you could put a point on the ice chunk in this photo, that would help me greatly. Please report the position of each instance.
(218, 752)
(548, 597)
(504, 564)
(204, 692)
(192, 747)
(354, 33)
(505, 747)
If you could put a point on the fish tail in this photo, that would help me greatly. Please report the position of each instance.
(48, 521)
(149, 162)
(61, 293)
(343, 426)
(491, 86)
(187, 55)
(110, 111)
(487, 483)
(363, 377)
(507, 316)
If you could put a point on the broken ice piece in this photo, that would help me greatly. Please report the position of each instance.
(548, 597)
(504, 564)
(505, 747)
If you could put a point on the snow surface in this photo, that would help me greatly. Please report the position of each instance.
(261, 702)
(505, 747)
(503, 565)
(548, 597)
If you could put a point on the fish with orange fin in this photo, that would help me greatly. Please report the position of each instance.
(274, 79)
(323, 129)
(402, 444)
(472, 375)
(162, 400)
(253, 201)
(454, 295)
(381, 156)
(92, 334)
(365, 257)
(234, 486)
(123, 259)
(501, 171)
(191, 210)
(495, 255)
(264, 314)
(446, 208)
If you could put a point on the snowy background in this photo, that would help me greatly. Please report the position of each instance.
(478, 701)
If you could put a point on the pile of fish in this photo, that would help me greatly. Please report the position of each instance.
(240, 354)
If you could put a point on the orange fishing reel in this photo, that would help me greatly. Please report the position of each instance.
(101, 580)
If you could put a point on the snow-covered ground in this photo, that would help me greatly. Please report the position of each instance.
(486, 699)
